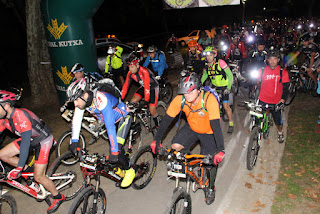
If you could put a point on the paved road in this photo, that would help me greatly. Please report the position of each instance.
(238, 190)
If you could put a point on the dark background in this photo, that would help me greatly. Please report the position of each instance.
(140, 20)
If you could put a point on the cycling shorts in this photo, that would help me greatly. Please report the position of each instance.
(315, 65)
(187, 138)
(277, 116)
(41, 152)
(154, 95)
(118, 72)
(225, 97)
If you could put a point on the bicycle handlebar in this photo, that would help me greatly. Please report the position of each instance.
(181, 155)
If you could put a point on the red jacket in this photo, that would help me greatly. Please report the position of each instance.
(241, 48)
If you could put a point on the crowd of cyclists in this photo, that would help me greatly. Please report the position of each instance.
(267, 44)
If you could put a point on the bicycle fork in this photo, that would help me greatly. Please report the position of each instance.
(96, 194)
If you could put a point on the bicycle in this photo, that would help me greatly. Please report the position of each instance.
(308, 85)
(65, 182)
(192, 168)
(140, 114)
(235, 68)
(93, 199)
(260, 126)
(165, 90)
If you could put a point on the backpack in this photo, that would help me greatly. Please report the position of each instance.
(107, 85)
(203, 100)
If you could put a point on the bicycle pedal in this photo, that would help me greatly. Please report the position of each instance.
(118, 184)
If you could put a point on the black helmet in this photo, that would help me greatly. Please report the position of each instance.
(305, 38)
(273, 53)
(152, 49)
(77, 68)
(132, 59)
(188, 83)
(261, 42)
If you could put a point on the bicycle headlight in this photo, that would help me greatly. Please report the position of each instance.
(224, 47)
(250, 39)
(254, 74)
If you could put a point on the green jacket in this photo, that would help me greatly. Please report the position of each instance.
(115, 60)
(219, 74)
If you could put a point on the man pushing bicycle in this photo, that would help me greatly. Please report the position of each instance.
(108, 110)
(34, 134)
(203, 124)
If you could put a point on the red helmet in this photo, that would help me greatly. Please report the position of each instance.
(6, 96)
(192, 43)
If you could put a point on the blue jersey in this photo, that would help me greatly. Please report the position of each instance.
(108, 110)
(158, 63)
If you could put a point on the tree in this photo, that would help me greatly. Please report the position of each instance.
(43, 89)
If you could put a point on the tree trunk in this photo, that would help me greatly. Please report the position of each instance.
(43, 89)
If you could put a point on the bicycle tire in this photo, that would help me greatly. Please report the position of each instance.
(235, 85)
(144, 163)
(166, 93)
(313, 89)
(267, 132)
(58, 167)
(292, 93)
(8, 204)
(253, 148)
(83, 203)
(161, 110)
(63, 146)
(180, 203)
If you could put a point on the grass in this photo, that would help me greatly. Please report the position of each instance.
(298, 185)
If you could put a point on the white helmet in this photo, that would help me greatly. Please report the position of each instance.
(76, 89)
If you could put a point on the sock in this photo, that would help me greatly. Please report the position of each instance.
(230, 123)
(279, 133)
(57, 196)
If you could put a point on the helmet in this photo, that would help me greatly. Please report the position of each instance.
(273, 53)
(111, 50)
(152, 49)
(188, 83)
(192, 43)
(132, 59)
(77, 68)
(235, 36)
(76, 89)
(6, 96)
(305, 38)
(261, 42)
(210, 49)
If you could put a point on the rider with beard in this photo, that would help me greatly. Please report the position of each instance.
(109, 110)
(193, 60)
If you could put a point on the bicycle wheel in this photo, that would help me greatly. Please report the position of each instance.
(58, 168)
(84, 202)
(292, 93)
(161, 110)
(253, 148)
(63, 146)
(179, 203)
(166, 93)
(144, 163)
(313, 89)
(235, 85)
(8, 205)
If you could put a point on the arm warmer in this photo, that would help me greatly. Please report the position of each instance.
(215, 125)
(165, 122)
(24, 148)
(285, 91)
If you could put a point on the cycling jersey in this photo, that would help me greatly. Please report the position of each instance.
(308, 50)
(219, 74)
(145, 78)
(271, 89)
(236, 51)
(197, 117)
(158, 63)
(108, 110)
(29, 127)
(259, 55)
(115, 60)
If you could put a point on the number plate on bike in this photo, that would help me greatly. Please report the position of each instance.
(257, 114)
(88, 166)
(177, 174)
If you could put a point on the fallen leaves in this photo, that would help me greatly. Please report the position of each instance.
(259, 204)
(291, 196)
(248, 185)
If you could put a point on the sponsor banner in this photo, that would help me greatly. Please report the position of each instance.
(180, 4)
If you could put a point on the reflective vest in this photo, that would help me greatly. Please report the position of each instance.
(217, 75)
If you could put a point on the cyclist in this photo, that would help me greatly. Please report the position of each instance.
(202, 125)
(274, 88)
(109, 110)
(204, 40)
(311, 51)
(149, 87)
(193, 60)
(157, 60)
(172, 44)
(33, 134)
(272, 41)
(114, 59)
(221, 78)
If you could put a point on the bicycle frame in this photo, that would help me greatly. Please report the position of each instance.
(43, 193)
